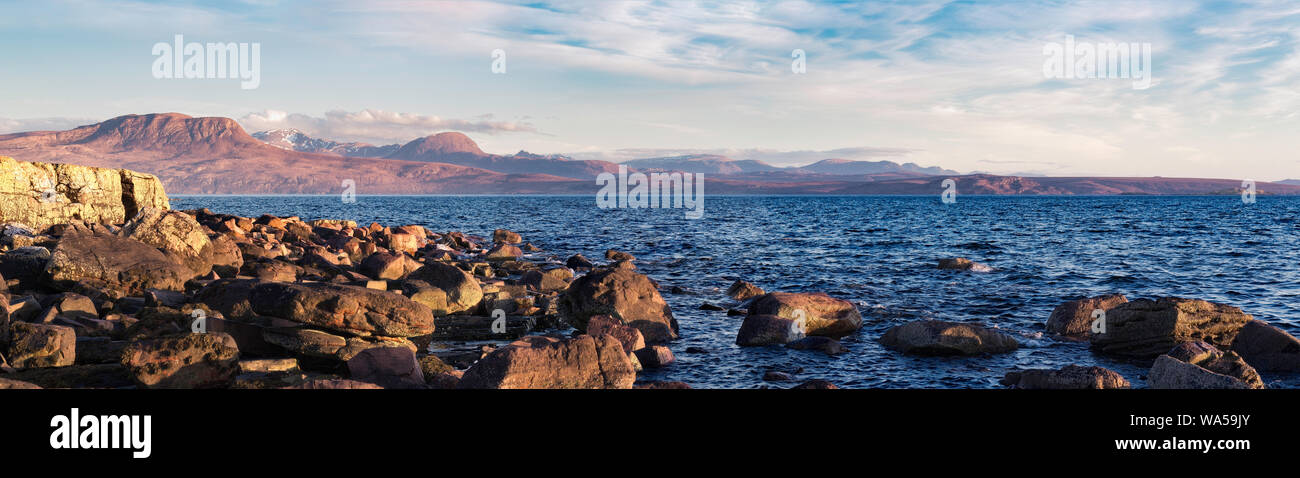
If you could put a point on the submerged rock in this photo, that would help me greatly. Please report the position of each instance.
(962, 264)
(741, 290)
(759, 330)
(824, 345)
(936, 337)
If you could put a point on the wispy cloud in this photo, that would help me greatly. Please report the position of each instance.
(8, 125)
(774, 157)
(375, 126)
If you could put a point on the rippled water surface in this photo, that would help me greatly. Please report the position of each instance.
(880, 252)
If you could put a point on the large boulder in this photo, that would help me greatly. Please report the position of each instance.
(389, 367)
(24, 264)
(623, 294)
(388, 265)
(583, 362)
(183, 361)
(41, 345)
(227, 258)
(41, 195)
(1147, 328)
(741, 290)
(1199, 365)
(120, 266)
(1267, 348)
(1070, 377)
(462, 292)
(1074, 318)
(343, 308)
(822, 314)
(937, 337)
(548, 280)
(759, 330)
(175, 233)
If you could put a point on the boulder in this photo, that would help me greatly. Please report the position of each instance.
(548, 280)
(41, 195)
(183, 361)
(41, 345)
(627, 335)
(25, 264)
(503, 252)
(1200, 365)
(1074, 318)
(175, 233)
(577, 261)
(824, 345)
(962, 264)
(227, 257)
(1145, 328)
(118, 265)
(10, 384)
(741, 290)
(305, 341)
(1070, 377)
(823, 315)
(504, 236)
(334, 384)
(1267, 348)
(389, 367)
(759, 330)
(619, 256)
(624, 294)
(343, 308)
(461, 290)
(388, 266)
(815, 384)
(583, 362)
(655, 356)
(936, 337)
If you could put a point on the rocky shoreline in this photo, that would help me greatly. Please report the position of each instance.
(104, 286)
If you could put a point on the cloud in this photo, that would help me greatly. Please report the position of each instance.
(770, 156)
(8, 125)
(374, 126)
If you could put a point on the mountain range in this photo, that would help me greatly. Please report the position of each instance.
(216, 155)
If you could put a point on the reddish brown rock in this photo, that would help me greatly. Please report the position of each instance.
(623, 294)
(1145, 328)
(741, 290)
(1267, 348)
(389, 367)
(350, 309)
(936, 337)
(759, 330)
(41, 345)
(582, 362)
(1200, 365)
(823, 315)
(1075, 318)
(334, 384)
(1070, 377)
(120, 266)
(184, 361)
(628, 336)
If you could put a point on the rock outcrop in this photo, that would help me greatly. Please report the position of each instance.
(544, 362)
(623, 294)
(1147, 328)
(41, 195)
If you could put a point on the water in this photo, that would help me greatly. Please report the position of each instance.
(879, 252)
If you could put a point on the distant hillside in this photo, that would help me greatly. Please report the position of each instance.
(700, 163)
(845, 166)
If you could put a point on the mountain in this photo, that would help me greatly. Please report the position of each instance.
(294, 140)
(846, 166)
(1294, 182)
(700, 163)
(216, 156)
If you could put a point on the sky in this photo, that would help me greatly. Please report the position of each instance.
(957, 84)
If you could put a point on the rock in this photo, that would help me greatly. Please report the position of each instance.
(741, 290)
(577, 261)
(9, 384)
(1199, 365)
(41, 345)
(503, 236)
(658, 385)
(823, 315)
(712, 308)
(962, 264)
(759, 330)
(1267, 348)
(824, 345)
(75, 306)
(120, 266)
(268, 365)
(627, 335)
(583, 362)
(388, 367)
(344, 308)
(26, 264)
(472, 327)
(655, 356)
(776, 376)
(334, 384)
(936, 337)
(388, 266)
(1074, 318)
(549, 280)
(228, 296)
(618, 256)
(1070, 377)
(1145, 328)
(164, 298)
(175, 233)
(76, 376)
(815, 384)
(41, 195)
(227, 258)
(272, 270)
(445, 380)
(402, 243)
(93, 350)
(431, 366)
(184, 361)
(249, 337)
(624, 294)
(305, 341)
(461, 290)
(503, 252)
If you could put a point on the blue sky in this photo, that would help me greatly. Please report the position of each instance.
(957, 84)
